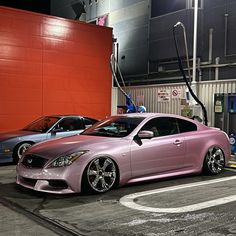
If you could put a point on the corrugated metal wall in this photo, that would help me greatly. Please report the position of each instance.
(154, 103)
(207, 91)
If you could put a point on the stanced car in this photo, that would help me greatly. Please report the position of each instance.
(14, 143)
(124, 149)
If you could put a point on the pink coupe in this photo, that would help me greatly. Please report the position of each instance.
(124, 149)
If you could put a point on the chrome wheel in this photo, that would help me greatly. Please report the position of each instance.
(214, 161)
(101, 174)
(22, 148)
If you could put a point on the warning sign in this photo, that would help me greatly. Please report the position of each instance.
(163, 95)
(176, 93)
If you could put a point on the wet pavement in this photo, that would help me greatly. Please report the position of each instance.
(25, 212)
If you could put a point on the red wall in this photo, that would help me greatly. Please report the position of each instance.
(50, 65)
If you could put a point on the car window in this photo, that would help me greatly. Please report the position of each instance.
(43, 124)
(89, 122)
(186, 126)
(70, 124)
(162, 126)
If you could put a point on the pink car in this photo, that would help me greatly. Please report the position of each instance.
(124, 149)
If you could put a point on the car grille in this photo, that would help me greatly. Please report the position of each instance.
(28, 181)
(33, 161)
(58, 184)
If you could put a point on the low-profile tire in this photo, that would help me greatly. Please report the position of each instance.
(19, 150)
(100, 175)
(214, 161)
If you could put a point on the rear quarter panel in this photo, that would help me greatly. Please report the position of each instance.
(198, 144)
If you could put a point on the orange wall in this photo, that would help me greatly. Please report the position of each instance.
(50, 65)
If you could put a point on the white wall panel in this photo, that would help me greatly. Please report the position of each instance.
(114, 102)
(206, 91)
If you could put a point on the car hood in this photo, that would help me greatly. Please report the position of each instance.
(61, 146)
(13, 134)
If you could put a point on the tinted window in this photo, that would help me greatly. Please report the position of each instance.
(70, 124)
(186, 126)
(162, 126)
(89, 122)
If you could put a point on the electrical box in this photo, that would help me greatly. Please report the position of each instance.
(232, 103)
(225, 115)
(232, 140)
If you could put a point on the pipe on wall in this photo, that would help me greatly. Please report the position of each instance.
(210, 45)
(226, 38)
(217, 69)
(195, 40)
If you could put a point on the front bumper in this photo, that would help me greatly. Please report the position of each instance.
(61, 180)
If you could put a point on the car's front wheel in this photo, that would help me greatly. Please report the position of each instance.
(19, 150)
(214, 161)
(100, 175)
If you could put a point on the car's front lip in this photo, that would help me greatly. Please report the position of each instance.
(44, 185)
(54, 180)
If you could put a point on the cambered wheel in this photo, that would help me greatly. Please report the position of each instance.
(19, 150)
(100, 174)
(214, 161)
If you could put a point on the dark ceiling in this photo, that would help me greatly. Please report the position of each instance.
(40, 6)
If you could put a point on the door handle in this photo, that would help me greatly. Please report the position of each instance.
(177, 142)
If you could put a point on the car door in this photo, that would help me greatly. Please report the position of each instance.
(192, 141)
(164, 152)
(68, 126)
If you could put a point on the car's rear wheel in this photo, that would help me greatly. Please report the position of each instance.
(19, 150)
(214, 161)
(100, 175)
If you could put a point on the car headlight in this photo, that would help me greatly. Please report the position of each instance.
(5, 148)
(67, 159)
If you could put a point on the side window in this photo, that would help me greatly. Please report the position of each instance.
(167, 126)
(89, 122)
(162, 126)
(186, 126)
(70, 124)
(151, 125)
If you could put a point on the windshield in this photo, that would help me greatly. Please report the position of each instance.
(119, 126)
(42, 125)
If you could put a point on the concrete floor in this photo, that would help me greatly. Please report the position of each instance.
(25, 212)
(232, 162)
(14, 223)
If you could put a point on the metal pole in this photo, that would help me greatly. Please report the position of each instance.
(195, 39)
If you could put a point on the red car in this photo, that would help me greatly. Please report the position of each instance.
(124, 149)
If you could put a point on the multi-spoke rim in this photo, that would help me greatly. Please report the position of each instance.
(215, 160)
(22, 148)
(101, 174)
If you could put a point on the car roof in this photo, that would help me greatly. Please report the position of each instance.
(150, 115)
(63, 116)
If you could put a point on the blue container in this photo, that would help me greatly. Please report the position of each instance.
(232, 140)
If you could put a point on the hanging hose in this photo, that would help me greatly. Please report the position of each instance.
(113, 64)
(185, 79)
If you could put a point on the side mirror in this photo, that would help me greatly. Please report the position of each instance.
(145, 134)
(54, 131)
